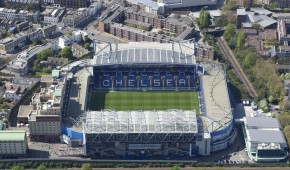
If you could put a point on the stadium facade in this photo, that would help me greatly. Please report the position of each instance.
(186, 3)
(168, 134)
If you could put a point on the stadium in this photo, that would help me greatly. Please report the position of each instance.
(153, 100)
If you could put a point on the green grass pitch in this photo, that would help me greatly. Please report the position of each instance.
(144, 100)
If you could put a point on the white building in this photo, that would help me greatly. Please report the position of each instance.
(54, 16)
(14, 92)
(13, 144)
(76, 36)
(93, 9)
(186, 3)
(149, 6)
(265, 141)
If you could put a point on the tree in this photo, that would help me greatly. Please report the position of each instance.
(41, 167)
(66, 52)
(263, 104)
(203, 18)
(284, 120)
(229, 32)
(18, 167)
(249, 60)
(285, 105)
(44, 54)
(87, 166)
(175, 167)
(274, 5)
(287, 76)
(87, 46)
(241, 40)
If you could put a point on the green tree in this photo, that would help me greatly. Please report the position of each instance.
(175, 167)
(87, 166)
(44, 54)
(274, 5)
(41, 167)
(18, 167)
(204, 18)
(241, 40)
(87, 46)
(287, 76)
(284, 120)
(229, 32)
(249, 60)
(66, 52)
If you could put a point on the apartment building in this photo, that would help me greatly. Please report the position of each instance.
(177, 24)
(49, 30)
(10, 43)
(21, 15)
(74, 18)
(157, 21)
(70, 3)
(23, 1)
(79, 51)
(48, 1)
(148, 6)
(44, 112)
(53, 16)
(13, 144)
(283, 30)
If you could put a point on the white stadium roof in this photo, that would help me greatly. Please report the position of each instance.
(145, 52)
(218, 111)
(168, 121)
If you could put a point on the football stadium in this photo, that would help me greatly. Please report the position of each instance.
(153, 100)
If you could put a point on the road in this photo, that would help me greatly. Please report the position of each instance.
(236, 66)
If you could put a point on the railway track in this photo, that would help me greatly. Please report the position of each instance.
(236, 66)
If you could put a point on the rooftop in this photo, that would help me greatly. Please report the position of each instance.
(24, 110)
(266, 136)
(144, 52)
(217, 112)
(261, 11)
(147, 3)
(169, 121)
(12, 135)
(261, 122)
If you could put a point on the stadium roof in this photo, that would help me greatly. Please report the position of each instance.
(144, 52)
(216, 111)
(169, 121)
(262, 122)
(266, 136)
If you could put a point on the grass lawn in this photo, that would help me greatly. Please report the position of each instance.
(144, 100)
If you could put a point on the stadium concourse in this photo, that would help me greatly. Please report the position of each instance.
(140, 76)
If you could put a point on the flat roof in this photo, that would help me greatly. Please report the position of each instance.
(25, 110)
(262, 122)
(167, 121)
(266, 136)
(144, 52)
(217, 112)
(12, 135)
(261, 11)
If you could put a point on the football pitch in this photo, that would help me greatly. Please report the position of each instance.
(144, 100)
